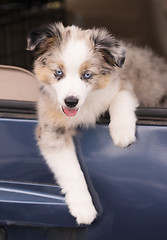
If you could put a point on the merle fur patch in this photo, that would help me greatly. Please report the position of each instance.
(112, 52)
(59, 130)
(39, 40)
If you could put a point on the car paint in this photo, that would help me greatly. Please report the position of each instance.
(128, 186)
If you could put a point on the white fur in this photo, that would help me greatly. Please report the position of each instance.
(118, 96)
(91, 110)
(62, 158)
(73, 56)
(64, 164)
(123, 120)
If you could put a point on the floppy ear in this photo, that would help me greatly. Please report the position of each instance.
(39, 40)
(112, 52)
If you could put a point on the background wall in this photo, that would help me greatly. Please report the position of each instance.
(141, 21)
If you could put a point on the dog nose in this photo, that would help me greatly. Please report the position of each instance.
(71, 101)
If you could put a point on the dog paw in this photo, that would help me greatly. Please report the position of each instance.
(85, 214)
(83, 210)
(122, 136)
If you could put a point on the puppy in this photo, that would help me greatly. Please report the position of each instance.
(81, 76)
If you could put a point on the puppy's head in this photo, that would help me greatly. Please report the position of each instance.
(71, 62)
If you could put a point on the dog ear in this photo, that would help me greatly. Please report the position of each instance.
(112, 52)
(39, 40)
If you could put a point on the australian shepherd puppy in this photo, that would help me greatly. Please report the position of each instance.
(81, 75)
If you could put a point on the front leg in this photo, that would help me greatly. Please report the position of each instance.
(123, 119)
(59, 153)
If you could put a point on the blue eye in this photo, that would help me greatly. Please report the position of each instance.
(59, 74)
(87, 75)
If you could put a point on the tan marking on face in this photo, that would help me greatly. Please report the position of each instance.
(46, 73)
(60, 66)
(43, 74)
(50, 112)
(85, 66)
(101, 81)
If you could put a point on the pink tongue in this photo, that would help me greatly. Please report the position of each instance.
(70, 112)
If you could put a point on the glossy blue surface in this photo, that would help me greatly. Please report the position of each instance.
(131, 183)
(19, 155)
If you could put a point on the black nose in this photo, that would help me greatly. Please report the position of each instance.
(71, 102)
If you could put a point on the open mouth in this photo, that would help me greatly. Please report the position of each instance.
(70, 112)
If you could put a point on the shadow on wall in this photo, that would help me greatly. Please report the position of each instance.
(142, 22)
